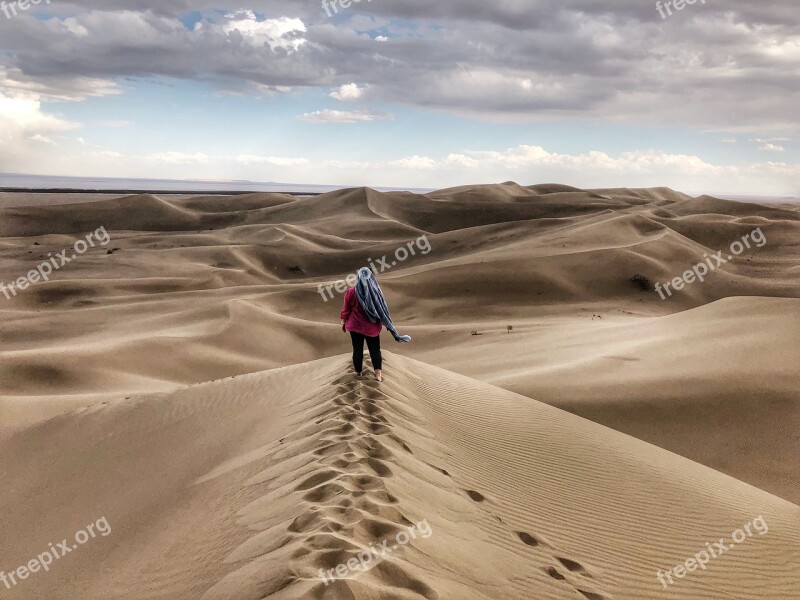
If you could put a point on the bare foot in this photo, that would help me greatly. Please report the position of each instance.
(378, 375)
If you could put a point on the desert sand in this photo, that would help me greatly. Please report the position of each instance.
(188, 382)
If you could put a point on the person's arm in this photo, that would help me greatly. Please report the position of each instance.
(347, 308)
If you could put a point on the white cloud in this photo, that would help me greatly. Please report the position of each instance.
(276, 33)
(524, 157)
(42, 139)
(526, 164)
(770, 147)
(381, 38)
(347, 92)
(342, 116)
(75, 28)
(520, 160)
(415, 162)
(25, 112)
(76, 88)
(25, 130)
(461, 160)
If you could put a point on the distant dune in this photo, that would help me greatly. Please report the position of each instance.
(188, 381)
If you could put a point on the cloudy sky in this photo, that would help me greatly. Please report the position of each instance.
(416, 93)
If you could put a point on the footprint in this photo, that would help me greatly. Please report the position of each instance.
(553, 572)
(351, 449)
(317, 479)
(304, 522)
(349, 417)
(476, 496)
(378, 429)
(376, 419)
(373, 448)
(380, 468)
(369, 407)
(393, 572)
(332, 448)
(379, 529)
(574, 567)
(366, 482)
(527, 538)
(384, 496)
(324, 493)
(343, 430)
(592, 595)
(340, 463)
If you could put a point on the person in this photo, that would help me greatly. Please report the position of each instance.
(363, 314)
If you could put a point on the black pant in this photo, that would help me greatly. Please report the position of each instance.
(374, 345)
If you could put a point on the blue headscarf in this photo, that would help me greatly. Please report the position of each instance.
(370, 297)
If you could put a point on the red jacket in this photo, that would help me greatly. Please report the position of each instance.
(354, 317)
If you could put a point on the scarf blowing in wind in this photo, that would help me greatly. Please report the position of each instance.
(370, 297)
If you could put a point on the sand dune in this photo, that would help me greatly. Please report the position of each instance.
(705, 205)
(245, 488)
(726, 398)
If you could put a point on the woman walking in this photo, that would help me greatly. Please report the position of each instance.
(363, 314)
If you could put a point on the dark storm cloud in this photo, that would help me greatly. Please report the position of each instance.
(730, 64)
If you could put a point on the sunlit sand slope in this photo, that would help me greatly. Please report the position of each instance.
(245, 488)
